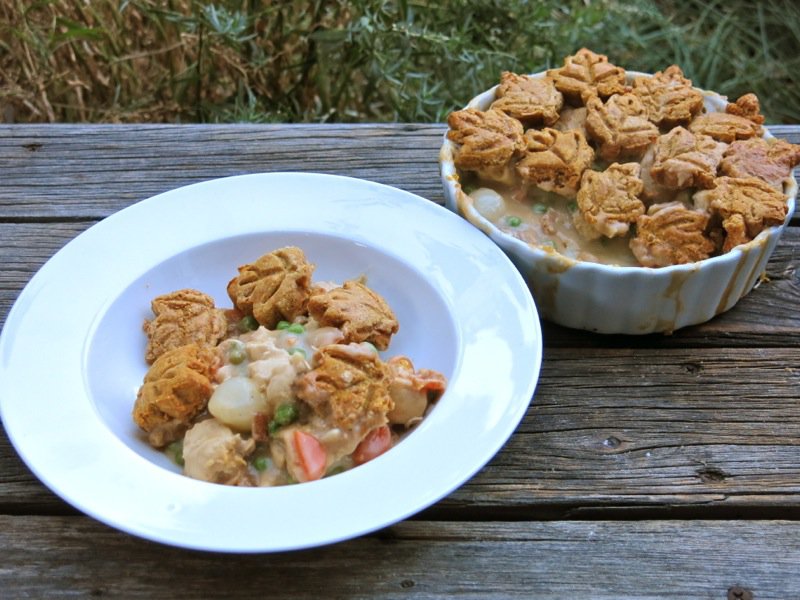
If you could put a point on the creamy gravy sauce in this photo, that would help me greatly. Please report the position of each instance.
(545, 219)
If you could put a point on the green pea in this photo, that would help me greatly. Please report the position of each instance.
(175, 451)
(286, 413)
(248, 323)
(237, 354)
(261, 463)
(296, 328)
(514, 221)
(540, 209)
(283, 325)
(298, 351)
(335, 471)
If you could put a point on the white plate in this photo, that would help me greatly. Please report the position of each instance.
(71, 355)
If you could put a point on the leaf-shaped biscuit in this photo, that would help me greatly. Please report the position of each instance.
(554, 160)
(619, 126)
(273, 288)
(608, 200)
(769, 160)
(684, 159)
(758, 203)
(586, 74)
(534, 101)
(486, 139)
(671, 234)
(669, 97)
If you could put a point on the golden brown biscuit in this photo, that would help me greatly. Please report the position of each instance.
(652, 191)
(488, 143)
(608, 201)
(361, 314)
(183, 317)
(757, 203)
(725, 127)
(671, 234)
(619, 126)
(534, 101)
(668, 97)
(748, 107)
(586, 74)
(770, 160)
(275, 287)
(176, 389)
(349, 387)
(554, 161)
(572, 118)
(684, 159)
(735, 232)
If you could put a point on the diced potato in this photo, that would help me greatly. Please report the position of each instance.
(235, 402)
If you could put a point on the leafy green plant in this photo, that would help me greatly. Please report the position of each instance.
(366, 60)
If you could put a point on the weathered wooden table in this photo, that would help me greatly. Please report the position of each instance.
(646, 467)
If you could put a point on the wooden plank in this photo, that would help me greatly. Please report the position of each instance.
(60, 557)
(657, 428)
(91, 171)
(631, 429)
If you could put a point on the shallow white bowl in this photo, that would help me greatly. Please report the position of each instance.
(72, 355)
(629, 300)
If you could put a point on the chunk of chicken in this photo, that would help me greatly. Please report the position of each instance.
(586, 74)
(487, 142)
(412, 390)
(668, 97)
(176, 389)
(361, 314)
(671, 234)
(183, 317)
(554, 161)
(770, 160)
(275, 287)
(534, 101)
(684, 159)
(348, 387)
(749, 200)
(619, 126)
(608, 200)
(212, 452)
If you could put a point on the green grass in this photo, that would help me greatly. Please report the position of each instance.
(367, 60)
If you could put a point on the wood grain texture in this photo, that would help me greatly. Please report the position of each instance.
(91, 171)
(57, 557)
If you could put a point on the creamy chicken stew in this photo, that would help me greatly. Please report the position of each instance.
(625, 169)
(288, 386)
